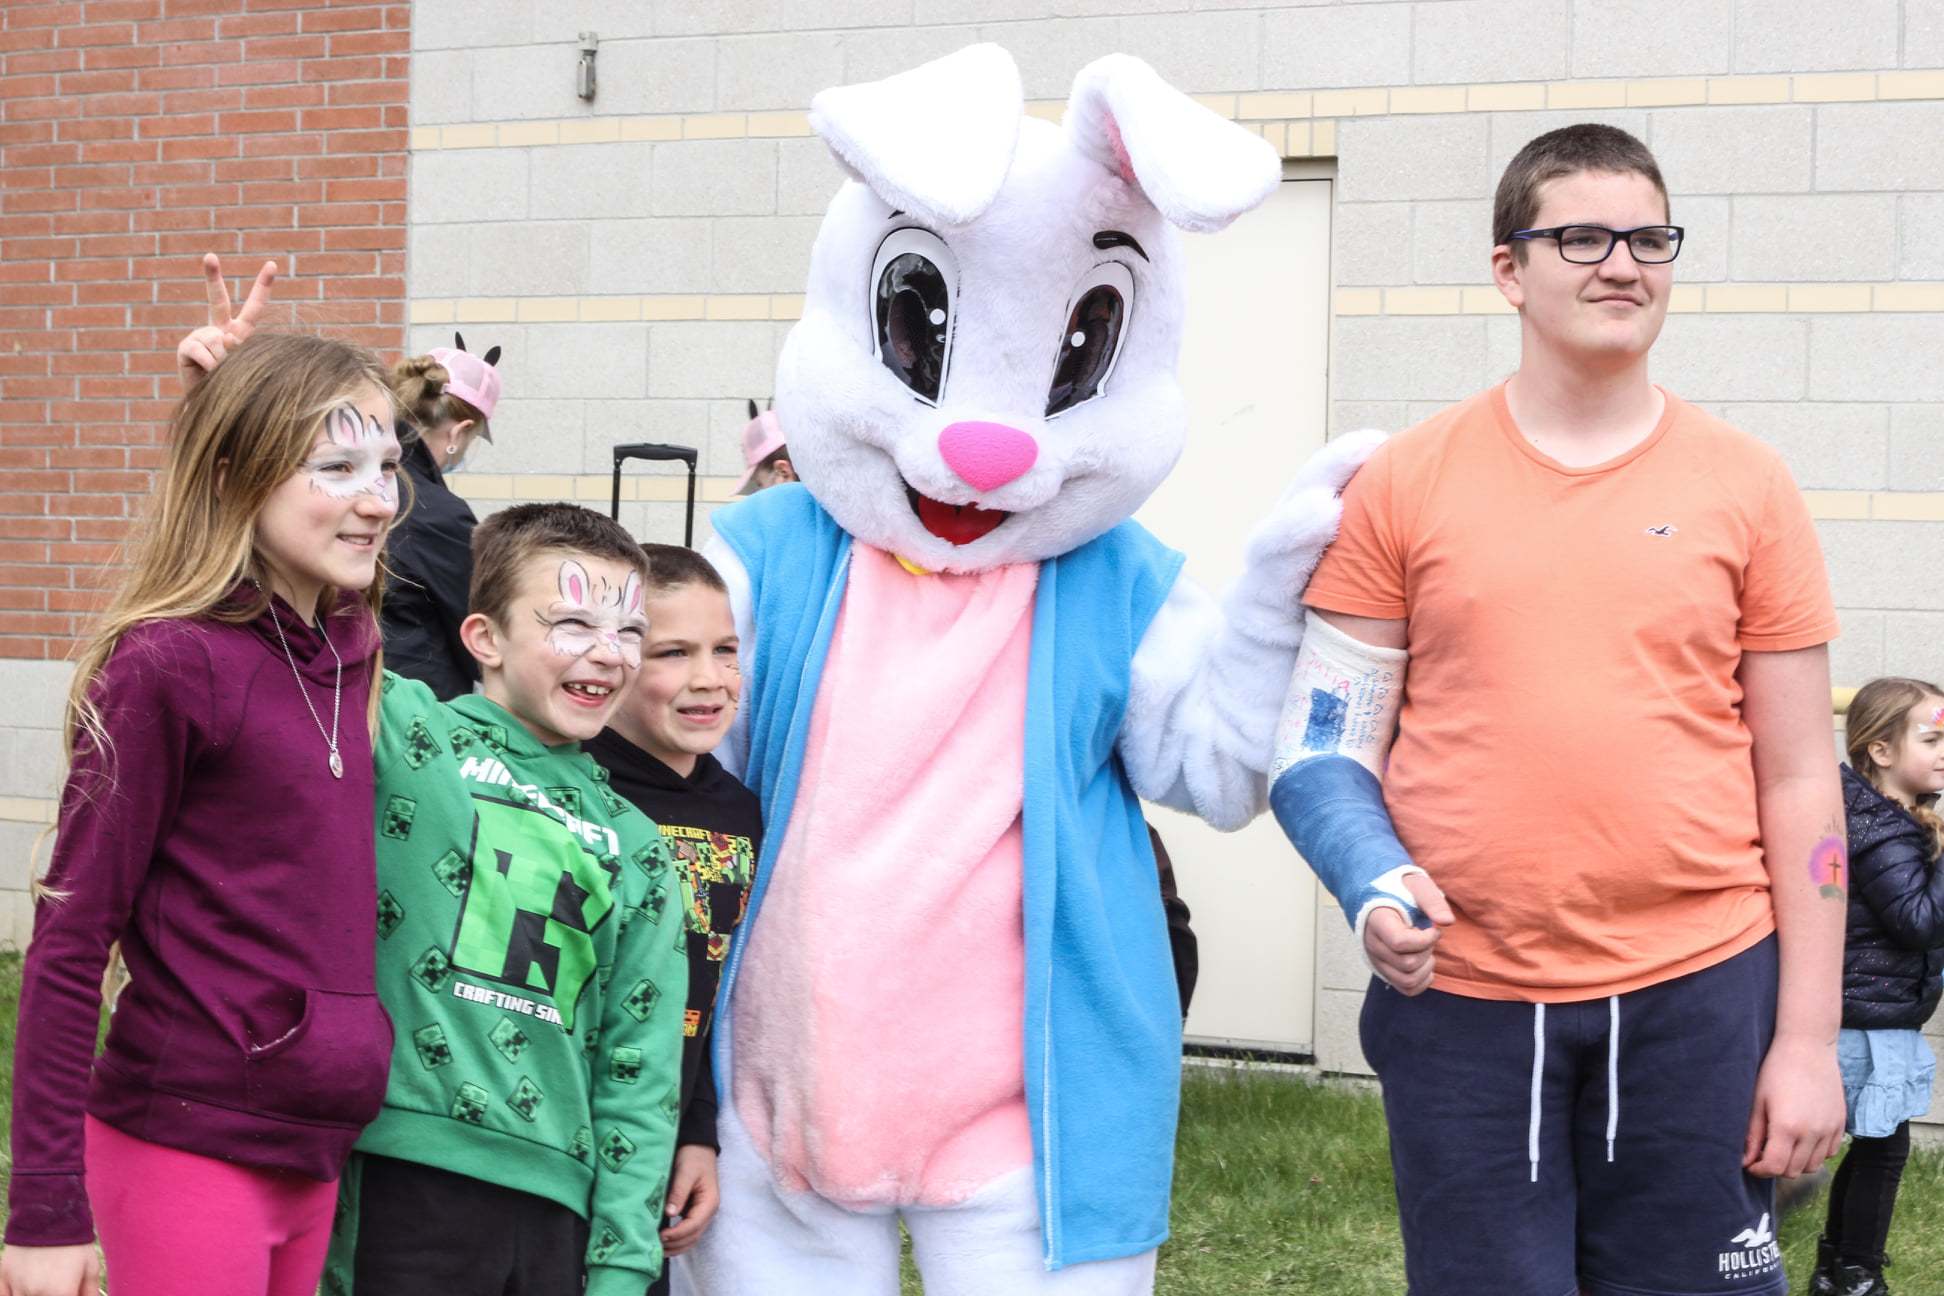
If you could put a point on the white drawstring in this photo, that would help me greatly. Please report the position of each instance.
(1538, 1074)
(1613, 1071)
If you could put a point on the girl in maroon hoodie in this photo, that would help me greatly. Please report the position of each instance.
(217, 822)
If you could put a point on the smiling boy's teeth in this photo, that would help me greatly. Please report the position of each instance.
(591, 690)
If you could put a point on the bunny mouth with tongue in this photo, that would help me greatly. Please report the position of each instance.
(958, 524)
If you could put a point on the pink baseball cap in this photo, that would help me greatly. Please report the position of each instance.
(761, 438)
(472, 379)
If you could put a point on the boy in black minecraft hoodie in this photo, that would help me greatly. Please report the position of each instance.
(656, 751)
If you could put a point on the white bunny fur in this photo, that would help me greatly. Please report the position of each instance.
(858, 436)
(1208, 679)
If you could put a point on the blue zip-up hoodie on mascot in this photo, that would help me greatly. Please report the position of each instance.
(1103, 1023)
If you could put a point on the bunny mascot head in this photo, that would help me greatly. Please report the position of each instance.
(963, 665)
(985, 369)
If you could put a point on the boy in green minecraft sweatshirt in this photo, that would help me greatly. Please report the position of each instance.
(531, 950)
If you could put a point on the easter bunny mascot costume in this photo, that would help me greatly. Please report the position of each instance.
(953, 1003)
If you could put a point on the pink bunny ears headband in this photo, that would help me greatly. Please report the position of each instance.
(473, 379)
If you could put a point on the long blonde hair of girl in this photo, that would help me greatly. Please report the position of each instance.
(240, 434)
(1877, 714)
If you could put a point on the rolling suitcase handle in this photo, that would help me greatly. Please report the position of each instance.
(656, 450)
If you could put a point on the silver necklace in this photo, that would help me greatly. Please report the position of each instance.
(337, 686)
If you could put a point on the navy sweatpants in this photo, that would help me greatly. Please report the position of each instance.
(1612, 1166)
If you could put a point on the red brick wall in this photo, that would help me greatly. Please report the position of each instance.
(134, 136)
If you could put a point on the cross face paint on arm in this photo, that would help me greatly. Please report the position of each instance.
(592, 612)
(361, 457)
(1829, 867)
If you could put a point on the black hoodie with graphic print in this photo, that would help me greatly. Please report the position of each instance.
(713, 826)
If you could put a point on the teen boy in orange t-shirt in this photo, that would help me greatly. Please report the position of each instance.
(1607, 613)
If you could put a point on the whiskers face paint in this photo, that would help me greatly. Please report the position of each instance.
(592, 612)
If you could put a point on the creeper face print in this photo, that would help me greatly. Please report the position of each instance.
(532, 908)
(604, 1244)
(469, 1104)
(397, 821)
(509, 1039)
(525, 1099)
(642, 999)
(420, 745)
(616, 1149)
(624, 1065)
(361, 458)
(452, 872)
(390, 914)
(591, 613)
(429, 1042)
(432, 970)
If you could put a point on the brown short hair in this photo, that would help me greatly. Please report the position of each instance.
(1588, 146)
(504, 542)
(671, 567)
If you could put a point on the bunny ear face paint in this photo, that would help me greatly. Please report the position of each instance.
(360, 457)
(593, 612)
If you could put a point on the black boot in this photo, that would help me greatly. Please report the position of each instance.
(1861, 1279)
(1822, 1282)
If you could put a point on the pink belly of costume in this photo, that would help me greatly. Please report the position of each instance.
(878, 1013)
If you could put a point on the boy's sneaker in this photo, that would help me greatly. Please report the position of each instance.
(1822, 1282)
(1852, 1279)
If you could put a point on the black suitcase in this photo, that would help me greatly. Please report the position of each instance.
(656, 450)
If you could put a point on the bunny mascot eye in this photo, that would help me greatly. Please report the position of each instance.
(914, 287)
(1096, 326)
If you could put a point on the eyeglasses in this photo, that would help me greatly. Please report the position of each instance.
(1592, 244)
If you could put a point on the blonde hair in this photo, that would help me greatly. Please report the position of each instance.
(239, 435)
(418, 385)
(1876, 714)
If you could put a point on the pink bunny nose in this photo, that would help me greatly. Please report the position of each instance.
(987, 455)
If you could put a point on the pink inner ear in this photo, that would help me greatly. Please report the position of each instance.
(1121, 160)
(634, 593)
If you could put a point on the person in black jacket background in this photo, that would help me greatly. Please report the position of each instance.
(445, 398)
(1893, 957)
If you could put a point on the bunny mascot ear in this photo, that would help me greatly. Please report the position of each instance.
(936, 141)
(1199, 170)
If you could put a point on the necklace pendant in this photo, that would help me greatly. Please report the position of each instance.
(337, 764)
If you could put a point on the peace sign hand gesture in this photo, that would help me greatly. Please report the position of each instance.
(205, 348)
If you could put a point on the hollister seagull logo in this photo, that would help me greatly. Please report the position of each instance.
(1760, 1235)
(1759, 1254)
(1664, 530)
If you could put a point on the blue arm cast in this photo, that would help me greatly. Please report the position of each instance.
(1332, 810)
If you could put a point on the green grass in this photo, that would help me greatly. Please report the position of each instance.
(1282, 1185)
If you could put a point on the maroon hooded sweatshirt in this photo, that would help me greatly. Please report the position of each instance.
(213, 842)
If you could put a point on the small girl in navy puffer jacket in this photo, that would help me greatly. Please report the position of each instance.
(1893, 957)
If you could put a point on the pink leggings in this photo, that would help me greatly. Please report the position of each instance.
(176, 1224)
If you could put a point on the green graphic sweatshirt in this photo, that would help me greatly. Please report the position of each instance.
(533, 957)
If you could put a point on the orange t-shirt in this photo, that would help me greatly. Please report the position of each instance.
(1571, 766)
